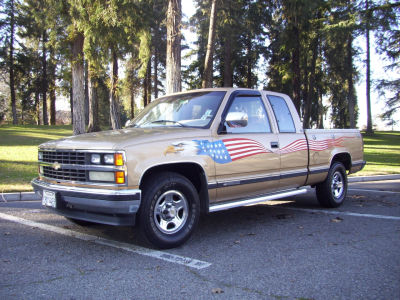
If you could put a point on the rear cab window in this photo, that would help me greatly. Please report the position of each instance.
(282, 114)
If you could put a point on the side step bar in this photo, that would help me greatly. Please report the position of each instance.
(228, 205)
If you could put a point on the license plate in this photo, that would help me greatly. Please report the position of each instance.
(49, 198)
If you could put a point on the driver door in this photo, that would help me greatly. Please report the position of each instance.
(247, 158)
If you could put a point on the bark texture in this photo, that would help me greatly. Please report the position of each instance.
(208, 64)
(173, 68)
(78, 89)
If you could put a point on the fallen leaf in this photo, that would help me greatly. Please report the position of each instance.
(217, 291)
(337, 220)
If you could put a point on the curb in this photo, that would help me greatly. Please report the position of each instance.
(374, 178)
(31, 196)
(19, 196)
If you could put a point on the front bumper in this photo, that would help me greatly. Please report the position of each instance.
(113, 207)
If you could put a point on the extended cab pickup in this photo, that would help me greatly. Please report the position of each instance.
(198, 151)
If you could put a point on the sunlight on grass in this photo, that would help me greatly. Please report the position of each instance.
(18, 153)
(382, 153)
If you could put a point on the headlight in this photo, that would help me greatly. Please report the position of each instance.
(40, 155)
(109, 159)
(95, 159)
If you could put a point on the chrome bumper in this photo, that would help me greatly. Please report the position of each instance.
(113, 207)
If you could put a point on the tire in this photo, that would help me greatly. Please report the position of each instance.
(332, 192)
(169, 211)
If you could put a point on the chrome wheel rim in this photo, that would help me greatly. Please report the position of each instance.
(171, 212)
(337, 186)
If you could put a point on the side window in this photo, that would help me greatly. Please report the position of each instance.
(282, 114)
(253, 109)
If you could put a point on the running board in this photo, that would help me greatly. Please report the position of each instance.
(223, 206)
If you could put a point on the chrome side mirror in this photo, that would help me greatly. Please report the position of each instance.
(237, 119)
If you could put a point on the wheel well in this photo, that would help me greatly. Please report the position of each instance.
(344, 158)
(191, 171)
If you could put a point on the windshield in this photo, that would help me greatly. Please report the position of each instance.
(185, 110)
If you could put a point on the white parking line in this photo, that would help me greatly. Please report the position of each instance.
(177, 259)
(344, 213)
(373, 191)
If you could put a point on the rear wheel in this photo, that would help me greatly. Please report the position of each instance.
(170, 210)
(332, 192)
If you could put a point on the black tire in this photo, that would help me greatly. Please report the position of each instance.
(80, 222)
(169, 211)
(332, 192)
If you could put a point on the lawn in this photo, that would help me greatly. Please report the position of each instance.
(382, 153)
(18, 153)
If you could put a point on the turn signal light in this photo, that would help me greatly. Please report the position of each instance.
(120, 177)
(118, 159)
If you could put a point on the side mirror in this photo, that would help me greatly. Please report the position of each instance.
(236, 119)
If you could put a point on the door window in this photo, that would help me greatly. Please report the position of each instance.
(251, 108)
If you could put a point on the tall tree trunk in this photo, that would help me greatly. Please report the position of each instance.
(45, 83)
(71, 103)
(114, 105)
(86, 93)
(147, 85)
(93, 108)
(155, 67)
(11, 67)
(173, 68)
(78, 89)
(311, 85)
(368, 83)
(132, 100)
(351, 97)
(296, 68)
(228, 71)
(145, 90)
(52, 69)
(148, 78)
(249, 76)
(208, 64)
(37, 106)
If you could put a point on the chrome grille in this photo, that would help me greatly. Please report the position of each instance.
(64, 174)
(64, 157)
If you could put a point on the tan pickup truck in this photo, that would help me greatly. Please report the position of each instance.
(195, 152)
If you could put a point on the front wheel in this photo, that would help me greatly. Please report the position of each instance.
(170, 210)
(332, 192)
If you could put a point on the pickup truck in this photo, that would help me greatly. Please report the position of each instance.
(195, 152)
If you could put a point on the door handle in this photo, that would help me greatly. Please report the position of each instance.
(274, 145)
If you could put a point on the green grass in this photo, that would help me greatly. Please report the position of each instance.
(18, 153)
(382, 153)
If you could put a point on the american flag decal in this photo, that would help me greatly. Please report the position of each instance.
(322, 145)
(228, 150)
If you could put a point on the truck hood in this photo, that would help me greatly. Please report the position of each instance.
(120, 139)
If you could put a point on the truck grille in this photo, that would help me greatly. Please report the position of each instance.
(64, 157)
(64, 174)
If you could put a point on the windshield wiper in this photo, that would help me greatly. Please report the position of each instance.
(169, 121)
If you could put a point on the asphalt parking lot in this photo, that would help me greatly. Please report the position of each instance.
(288, 249)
